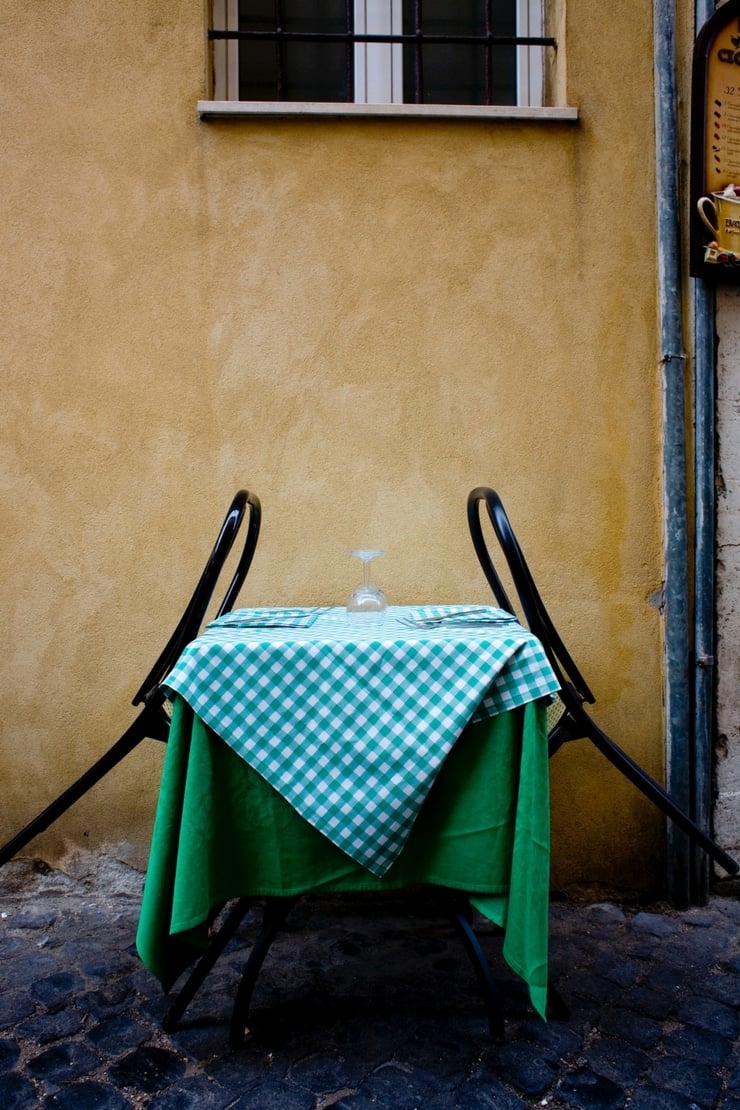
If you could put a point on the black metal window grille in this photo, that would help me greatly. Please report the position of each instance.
(461, 52)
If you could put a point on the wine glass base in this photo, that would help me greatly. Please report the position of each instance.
(366, 617)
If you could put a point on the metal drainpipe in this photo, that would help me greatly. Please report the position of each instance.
(676, 587)
(704, 551)
(704, 575)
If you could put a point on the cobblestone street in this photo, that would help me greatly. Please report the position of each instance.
(364, 1005)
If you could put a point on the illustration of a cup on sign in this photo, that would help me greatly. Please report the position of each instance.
(724, 226)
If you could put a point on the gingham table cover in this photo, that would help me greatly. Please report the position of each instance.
(351, 722)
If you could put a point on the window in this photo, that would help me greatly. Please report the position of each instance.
(424, 52)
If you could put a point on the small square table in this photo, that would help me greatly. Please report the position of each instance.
(313, 751)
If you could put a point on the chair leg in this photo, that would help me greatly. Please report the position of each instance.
(198, 975)
(150, 723)
(658, 795)
(275, 912)
(489, 988)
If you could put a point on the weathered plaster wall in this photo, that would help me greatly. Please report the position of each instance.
(727, 809)
(360, 321)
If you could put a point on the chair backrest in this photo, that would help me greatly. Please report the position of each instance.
(533, 607)
(192, 618)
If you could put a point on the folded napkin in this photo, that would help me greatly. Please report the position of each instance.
(435, 616)
(269, 618)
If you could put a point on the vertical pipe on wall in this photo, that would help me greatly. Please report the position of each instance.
(704, 551)
(704, 575)
(676, 586)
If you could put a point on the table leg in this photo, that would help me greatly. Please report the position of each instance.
(489, 988)
(205, 963)
(275, 912)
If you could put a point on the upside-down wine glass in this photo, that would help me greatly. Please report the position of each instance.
(366, 600)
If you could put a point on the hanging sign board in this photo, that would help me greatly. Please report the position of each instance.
(715, 148)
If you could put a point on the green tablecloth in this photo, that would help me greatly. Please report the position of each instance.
(221, 832)
(351, 720)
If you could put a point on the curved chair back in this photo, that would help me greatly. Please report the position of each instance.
(533, 607)
(567, 718)
(193, 616)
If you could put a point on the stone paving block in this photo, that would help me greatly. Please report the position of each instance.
(428, 1050)
(695, 1081)
(727, 907)
(56, 990)
(117, 1035)
(16, 1092)
(28, 963)
(277, 1096)
(690, 1042)
(106, 1001)
(605, 914)
(194, 1093)
(710, 1014)
(641, 1031)
(519, 1066)
(589, 984)
(666, 979)
(100, 965)
(325, 1072)
(653, 1098)
(14, 1006)
(651, 1003)
(398, 1086)
(62, 1063)
(723, 986)
(617, 1060)
(587, 1091)
(556, 1040)
(243, 1071)
(701, 918)
(624, 972)
(203, 1042)
(32, 919)
(643, 945)
(692, 946)
(657, 925)
(9, 1053)
(47, 1027)
(87, 1095)
(478, 1094)
(148, 1069)
(359, 1101)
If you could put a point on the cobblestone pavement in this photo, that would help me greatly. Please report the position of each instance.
(364, 1006)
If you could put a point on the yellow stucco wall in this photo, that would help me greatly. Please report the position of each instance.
(358, 320)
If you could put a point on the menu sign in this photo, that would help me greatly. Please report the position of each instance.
(722, 154)
(715, 147)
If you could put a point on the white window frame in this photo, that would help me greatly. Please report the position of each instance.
(226, 51)
(530, 61)
(378, 65)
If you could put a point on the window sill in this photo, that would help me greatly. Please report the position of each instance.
(251, 109)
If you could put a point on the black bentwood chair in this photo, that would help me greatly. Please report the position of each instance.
(153, 721)
(567, 718)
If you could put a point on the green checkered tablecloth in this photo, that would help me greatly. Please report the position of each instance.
(350, 720)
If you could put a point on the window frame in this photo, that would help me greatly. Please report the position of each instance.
(378, 66)
(532, 73)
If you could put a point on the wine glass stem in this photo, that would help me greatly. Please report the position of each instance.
(366, 571)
